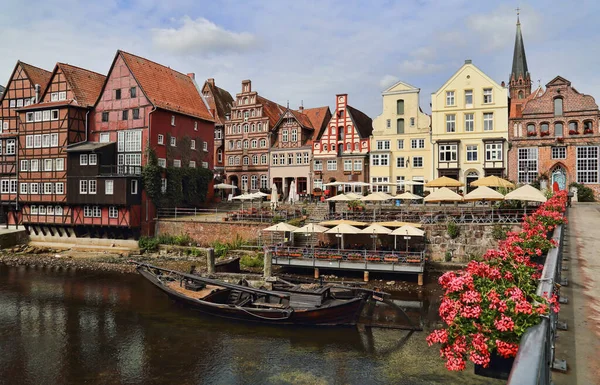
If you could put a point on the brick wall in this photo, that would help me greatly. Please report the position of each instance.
(207, 232)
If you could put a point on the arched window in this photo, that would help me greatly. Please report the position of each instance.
(233, 129)
(245, 100)
(263, 182)
(246, 116)
(400, 107)
(356, 146)
(253, 143)
(588, 127)
(573, 128)
(333, 147)
(239, 144)
(263, 143)
(325, 147)
(254, 159)
(244, 182)
(544, 129)
(263, 159)
(253, 127)
(237, 160)
(254, 182)
(531, 129)
(245, 144)
(245, 128)
(246, 160)
(259, 127)
(253, 115)
(558, 107)
(349, 129)
(558, 129)
(520, 93)
(230, 160)
(349, 147)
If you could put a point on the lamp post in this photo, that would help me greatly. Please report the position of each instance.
(310, 188)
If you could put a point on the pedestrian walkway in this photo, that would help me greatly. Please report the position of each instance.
(580, 344)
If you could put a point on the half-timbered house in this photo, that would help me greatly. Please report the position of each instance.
(24, 88)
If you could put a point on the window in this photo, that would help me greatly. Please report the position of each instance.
(125, 115)
(104, 137)
(177, 163)
(318, 184)
(264, 182)
(193, 144)
(347, 165)
(245, 161)
(46, 115)
(50, 210)
(449, 98)
(87, 211)
(294, 135)
(531, 129)
(246, 128)
(29, 141)
(290, 158)
(108, 187)
(92, 187)
(196, 127)
(493, 151)
(54, 115)
(118, 94)
(388, 123)
(54, 140)
(10, 146)
(218, 134)
(48, 188)
(12, 103)
(527, 165)
(383, 144)
(161, 139)
(173, 141)
(306, 157)
(587, 164)
(129, 141)
(545, 129)
(93, 159)
(263, 143)
(588, 127)
(400, 162)
(13, 186)
(331, 165)
(34, 188)
(105, 116)
(45, 141)
(379, 159)
(83, 186)
(54, 96)
(451, 123)
(400, 107)
(134, 186)
(48, 163)
(33, 210)
(559, 152)
(59, 188)
(162, 162)
(136, 113)
(254, 159)
(469, 122)
(245, 144)
(133, 92)
(298, 158)
(274, 158)
(318, 165)
(244, 182)
(284, 135)
(83, 160)
(172, 120)
(42, 210)
(254, 182)
(558, 130)
(487, 96)
(37, 141)
(113, 212)
(23, 188)
(205, 146)
(263, 159)
(448, 152)
(399, 126)
(348, 129)
(24, 165)
(488, 121)
(468, 98)
(573, 128)
(29, 117)
(246, 116)
(34, 165)
(58, 210)
(325, 147)
(19, 103)
(417, 161)
(379, 185)
(97, 212)
(412, 122)
(400, 144)
(472, 153)
(163, 185)
(558, 106)
(417, 143)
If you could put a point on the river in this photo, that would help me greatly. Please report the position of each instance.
(66, 326)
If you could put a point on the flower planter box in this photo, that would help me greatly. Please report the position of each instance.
(373, 259)
(322, 256)
(499, 367)
(390, 259)
(587, 132)
(355, 257)
(335, 257)
(296, 255)
(413, 260)
(573, 132)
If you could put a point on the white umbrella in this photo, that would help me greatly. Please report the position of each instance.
(341, 230)
(483, 193)
(407, 231)
(443, 194)
(375, 197)
(311, 228)
(225, 186)
(261, 194)
(353, 196)
(334, 184)
(407, 196)
(526, 193)
(339, 198)
(274, 196)
(375, 229)
(292, 192)
(282, 226)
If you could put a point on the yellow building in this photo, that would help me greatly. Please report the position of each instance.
(400, 143)
(470, 126)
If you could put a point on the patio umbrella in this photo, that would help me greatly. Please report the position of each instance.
(311, 228)
(274, 196)
(407, 231)
(444, 181)
(399, 224)
(282, 227)
(375, 229)
(339, 198)
(383, 195)
(292, 192)
(243, 197)
(261, 194)
(224, 186)
(493, 181)
(341, 230)
(526, 193)
(337, 222)
(407, 196)
(375, 197)
(334, 184)
(483, 193)
(443, 195)
(353, 196)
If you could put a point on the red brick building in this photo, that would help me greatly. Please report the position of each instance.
(341, 149)
(248, 137)
(553, 132)
(24, 88)
(219, 102)
(143, 105)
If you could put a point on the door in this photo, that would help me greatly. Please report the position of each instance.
(559, 179)
(472, 176)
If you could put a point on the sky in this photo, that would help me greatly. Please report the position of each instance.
(308, 51)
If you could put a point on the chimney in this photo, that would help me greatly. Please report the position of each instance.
(192, 75)
(301, 108)
(37, 88)
(211, 81)
(503, 84)
(468, 61)
(246, 86)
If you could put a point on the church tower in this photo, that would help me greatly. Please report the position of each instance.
(520, 80)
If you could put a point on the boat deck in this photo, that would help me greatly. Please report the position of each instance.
(175, 285)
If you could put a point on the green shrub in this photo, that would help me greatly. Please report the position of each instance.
(277, 219)
(148, 243)
(193, 252)
(448, 256)
(452, 229)
(249, 261)
(182, 240)
(296, 222)
(499, 232)
(584, 193)
(221, 248)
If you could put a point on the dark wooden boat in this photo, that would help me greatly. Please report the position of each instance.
(288, 305)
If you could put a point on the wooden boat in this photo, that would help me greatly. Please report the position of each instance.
(287, 305)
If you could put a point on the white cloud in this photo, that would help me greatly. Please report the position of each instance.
(201, 35)
(419, 67)
(387, 81)
(424, 53)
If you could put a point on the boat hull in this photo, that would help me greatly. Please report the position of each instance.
(345, 313)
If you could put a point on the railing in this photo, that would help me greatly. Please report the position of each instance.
(349, 255)
(536, 350)
(218, 215)
(120, 170)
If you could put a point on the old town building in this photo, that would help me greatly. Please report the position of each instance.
(220, 102)
(291, 149)
(248, 136)
(24, 88)
(470, 126)
(143, 105)
(341, 149)
(401, 144)
(553, 132)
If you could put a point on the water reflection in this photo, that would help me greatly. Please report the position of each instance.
(60, 326)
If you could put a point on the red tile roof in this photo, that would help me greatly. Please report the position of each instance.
(271, 109)
(318, 116)
(36, 75)
(85, 85)
(60, 103)
(167, 88)
(219, 101)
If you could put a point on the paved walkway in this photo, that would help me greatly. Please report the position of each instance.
(581, 343)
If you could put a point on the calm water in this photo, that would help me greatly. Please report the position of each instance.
(61, 326)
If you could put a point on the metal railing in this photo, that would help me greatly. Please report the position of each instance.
(536, 350)
(263, 215)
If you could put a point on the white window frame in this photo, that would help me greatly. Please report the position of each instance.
(34, 188)
(93, 159)
(172, 120)
(450, 123)
(193, 144)
(417, 144)
(113, 212)
(59, 164)
(83, 159)
(414, 161)
(358, 164)
(448, 153)
(54, 140)
(29, 141)
(48, 164)
(59, 188)
(24, 165)
(37, 141)
(588, 164)
(48, 188)
(491, 149)
(92, 186)
(34, 165)
(347, 164)
(400, 144)
(104, 137)
(332, 165)
(173, 141)
(383, 145)
(109, 187)
(527, 164)
(177, 163)
(469, 122)
(23, 187)
(205, 146)
(400, 162)
(97, 211)
(559, 152)
(161, 139)
(450, 98)
(83, 186)
(162, 162)
(45, 140)
(488, 121)
(488, 96)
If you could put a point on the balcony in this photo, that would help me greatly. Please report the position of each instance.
(120, 170)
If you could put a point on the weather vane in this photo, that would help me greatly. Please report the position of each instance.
(518, 11)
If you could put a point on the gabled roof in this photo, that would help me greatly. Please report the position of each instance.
(85, 84)
(398, 83)
(36, 75)
(468, 64)
(271, 110)
(166, 88)
(221, 101)
(318, 116)
(558, 81)
(363, 124)
(302, 119)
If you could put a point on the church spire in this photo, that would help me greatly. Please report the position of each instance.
(520, 80)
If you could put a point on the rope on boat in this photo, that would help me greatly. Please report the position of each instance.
(289, 314)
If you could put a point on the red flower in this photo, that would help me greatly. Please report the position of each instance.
(504, 324)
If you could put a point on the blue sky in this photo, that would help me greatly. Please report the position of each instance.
(310, 50)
